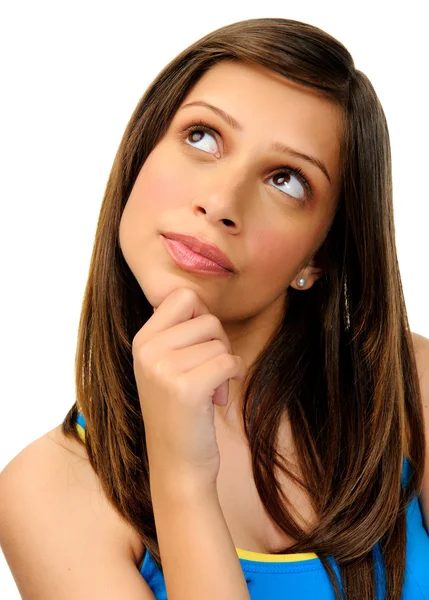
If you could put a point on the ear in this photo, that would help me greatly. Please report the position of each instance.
(311, 273)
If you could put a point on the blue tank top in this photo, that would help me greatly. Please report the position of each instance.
(303, 576)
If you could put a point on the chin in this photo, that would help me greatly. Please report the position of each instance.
(157, 289)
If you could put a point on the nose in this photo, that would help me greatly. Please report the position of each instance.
(224, 196)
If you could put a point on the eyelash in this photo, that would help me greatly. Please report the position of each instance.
(297, 171)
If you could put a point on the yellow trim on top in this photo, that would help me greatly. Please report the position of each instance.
(81, 431)
(247, 554)
(281, 558)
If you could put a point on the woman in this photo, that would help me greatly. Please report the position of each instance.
(249, 421)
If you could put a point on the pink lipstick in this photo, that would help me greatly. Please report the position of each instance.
(193, 259)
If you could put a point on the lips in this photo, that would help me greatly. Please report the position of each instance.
(205, 249)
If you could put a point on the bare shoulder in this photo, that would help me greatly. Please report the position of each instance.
(420, 342)
(56, 519)
(56, 464)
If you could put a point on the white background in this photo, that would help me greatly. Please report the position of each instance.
(71, 75)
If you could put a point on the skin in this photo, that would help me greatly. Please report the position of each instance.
(222, 189)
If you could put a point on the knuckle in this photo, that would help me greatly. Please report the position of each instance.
(163, 369)
(214, 319)
(139, 340)
(186, 294)
(228, 361)
(214, 324)
(205, 321)
(140, 353)
(220, 346)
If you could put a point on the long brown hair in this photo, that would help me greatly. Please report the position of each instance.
(352, 397)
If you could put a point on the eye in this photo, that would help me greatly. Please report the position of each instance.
(294, 183)
(202, 130)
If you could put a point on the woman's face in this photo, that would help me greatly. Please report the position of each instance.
(229, 187)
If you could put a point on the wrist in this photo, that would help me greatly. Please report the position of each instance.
(180, 486)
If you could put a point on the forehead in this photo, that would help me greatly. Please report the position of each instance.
(272, 108)
(270, 92)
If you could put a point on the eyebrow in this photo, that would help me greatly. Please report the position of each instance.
(276, 146)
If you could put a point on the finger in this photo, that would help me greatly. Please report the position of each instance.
(179, 306)
(206, 378)
(203, 328)
(190, 357)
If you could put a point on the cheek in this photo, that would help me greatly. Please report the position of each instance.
(162, 187)
(276, 253)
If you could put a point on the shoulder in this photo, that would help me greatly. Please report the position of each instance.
(55, 470)
(421, 352)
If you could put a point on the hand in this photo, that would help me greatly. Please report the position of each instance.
(182, 363)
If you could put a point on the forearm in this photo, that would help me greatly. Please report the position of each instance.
(198, 554)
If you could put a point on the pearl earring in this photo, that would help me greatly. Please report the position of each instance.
(301, 282)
